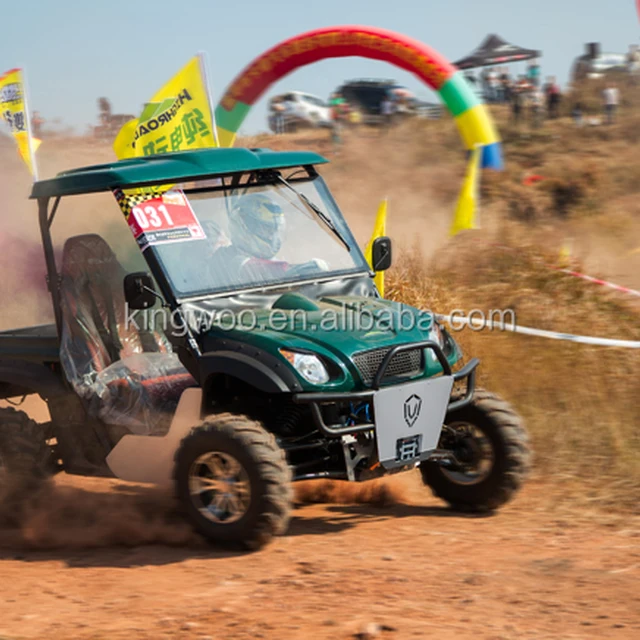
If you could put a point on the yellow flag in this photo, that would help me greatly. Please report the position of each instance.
(379, 230)
(177, 118)
(13, 110)
(465, 217)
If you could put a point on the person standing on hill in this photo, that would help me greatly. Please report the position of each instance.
(517, 103)
(577, 113)
(505, 85)
(553, 98)
(387, 110)
(611, 98)
(339, 114)
(493, 85)
(533, 73)
(537, 107)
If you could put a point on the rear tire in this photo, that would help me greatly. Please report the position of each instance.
(498, 428)
(234, 482)
(26, 459)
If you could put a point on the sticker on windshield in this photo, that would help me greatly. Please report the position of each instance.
(159, 218)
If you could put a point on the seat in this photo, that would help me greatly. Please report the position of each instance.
(126, 376)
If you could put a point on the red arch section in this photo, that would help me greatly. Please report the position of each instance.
(319, 44)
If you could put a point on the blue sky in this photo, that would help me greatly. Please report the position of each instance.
(76, 50)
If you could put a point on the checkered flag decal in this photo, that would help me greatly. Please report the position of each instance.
(133, 197)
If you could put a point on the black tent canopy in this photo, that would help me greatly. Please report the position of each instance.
(495, 50)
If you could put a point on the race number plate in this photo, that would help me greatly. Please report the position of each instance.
(409, 418)
(163, 219)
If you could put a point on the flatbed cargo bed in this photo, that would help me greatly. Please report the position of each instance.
(36, 344)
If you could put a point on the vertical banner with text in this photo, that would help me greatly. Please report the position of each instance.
(14, 111)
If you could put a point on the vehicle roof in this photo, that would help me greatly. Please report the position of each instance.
(169, 167)
(370, 82)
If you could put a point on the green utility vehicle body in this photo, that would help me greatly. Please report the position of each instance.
(277, 359)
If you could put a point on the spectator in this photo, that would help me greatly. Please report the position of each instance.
(517, 103)
(553, 98)
(387, 110)
(484, 81)
(337, 115)
(537, 107)
(577, 113)
(611, 98)
(494, 83)
(533, 73)
(505, 85)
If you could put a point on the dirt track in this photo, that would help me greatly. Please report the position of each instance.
(414, 568)
(535, 570)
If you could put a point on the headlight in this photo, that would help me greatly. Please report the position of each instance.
(309, 366)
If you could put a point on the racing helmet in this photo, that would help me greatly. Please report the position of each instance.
(257, 225)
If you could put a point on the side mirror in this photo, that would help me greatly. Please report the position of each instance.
(139, 291)
(381, 254)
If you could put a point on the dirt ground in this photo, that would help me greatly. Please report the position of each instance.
(409, 569)
(92, 559)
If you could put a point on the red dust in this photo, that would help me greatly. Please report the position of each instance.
(380, 493)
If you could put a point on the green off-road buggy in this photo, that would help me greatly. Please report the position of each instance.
(270, 357)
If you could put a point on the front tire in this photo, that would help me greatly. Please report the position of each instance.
(233, 482)
(491, 442)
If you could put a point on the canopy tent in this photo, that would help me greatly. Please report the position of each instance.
(495, 50)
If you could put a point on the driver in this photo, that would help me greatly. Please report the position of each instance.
(256, 232)
(257, 229)
(257, 226)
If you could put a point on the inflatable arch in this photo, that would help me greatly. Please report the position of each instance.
(471, 116)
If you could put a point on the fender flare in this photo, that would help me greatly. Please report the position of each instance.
(257, 368)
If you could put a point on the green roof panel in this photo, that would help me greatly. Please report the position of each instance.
(168, 168)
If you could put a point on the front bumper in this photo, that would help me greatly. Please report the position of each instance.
(317, 400)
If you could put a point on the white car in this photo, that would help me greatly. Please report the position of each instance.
(293, 110)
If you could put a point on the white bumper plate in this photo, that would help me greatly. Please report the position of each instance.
(409, 418)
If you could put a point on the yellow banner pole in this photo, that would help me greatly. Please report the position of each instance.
(27, 115)
(203, 60)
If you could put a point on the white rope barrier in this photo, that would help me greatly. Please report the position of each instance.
(539, 333)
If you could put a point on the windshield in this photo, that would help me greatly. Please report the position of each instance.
(258, 236)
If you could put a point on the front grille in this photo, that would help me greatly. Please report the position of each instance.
(405, 363)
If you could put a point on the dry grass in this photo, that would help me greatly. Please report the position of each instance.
(580, 403)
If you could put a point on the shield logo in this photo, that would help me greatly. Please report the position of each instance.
(412, 406)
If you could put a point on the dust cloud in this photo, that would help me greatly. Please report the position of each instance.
(380, 493)
(58, 516)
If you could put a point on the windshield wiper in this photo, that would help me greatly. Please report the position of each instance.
(321, 214)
